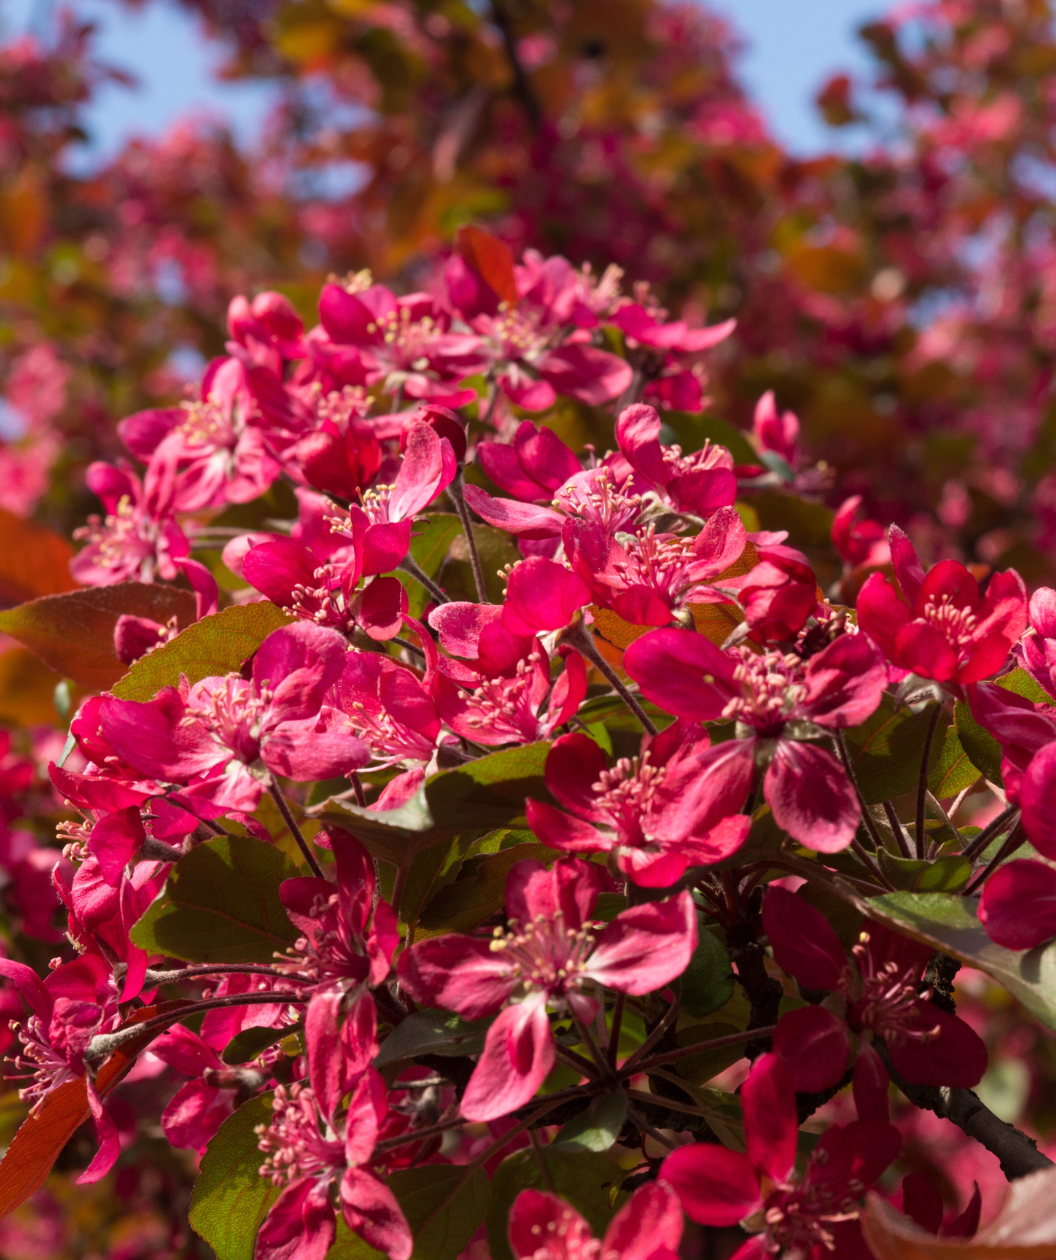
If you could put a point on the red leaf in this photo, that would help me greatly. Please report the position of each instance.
(491, 259)
(40, 1139)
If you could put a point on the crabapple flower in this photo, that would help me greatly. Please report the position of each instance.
(775, 700)
(199, 1107)
(1018, 905)
(306, 1151)
(877, 996)
(346, 947)
(941, 627)
(922, 1203)
(552, 951)
(646, 812)
(227, 737)
(533, 466)
(809, 1219)
(699, 483)
(542, 596)
(77, 1001)
(647, 1227)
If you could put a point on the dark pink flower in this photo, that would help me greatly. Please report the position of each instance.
(699, 483)
(941, 627)
(231, 735)
(648, 813)
(880, 997)
(776, 433)
(859, 542)
(307, 1151)
(533, 466)
(767, 694)
(542, 596)
(647, 1227)
(198, 1108)
(552, 952)
(76, 1001)
(810, 1217)
(345, 950)
(922, 1203)
(1018, 905)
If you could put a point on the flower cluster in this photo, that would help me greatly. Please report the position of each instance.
(454, 861)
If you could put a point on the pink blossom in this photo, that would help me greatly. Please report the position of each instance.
(647, 1227)
(767, 695)
(881, 998)
(1018, 905)
(699, 483)
(942, 627)
(810, 1217)
(648, 813)
(551, 952)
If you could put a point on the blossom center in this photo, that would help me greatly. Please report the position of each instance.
(772, 688)
(545, 954)
(292, 1144)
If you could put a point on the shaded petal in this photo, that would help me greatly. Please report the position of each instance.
(715, 1186)
(649, 1220)
(544, 1227)
(815, 1046)
(682, 672)
(456, 973)
(1018, 906)
(771, 1127)
(371, 1211)
(299, 1226)
(645, 947)
(803, 942)
(811, 796)
(956, 1057)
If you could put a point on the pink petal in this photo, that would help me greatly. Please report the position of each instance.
(574, 765)
(300, 1224)
(115, 840)
(518, 1055)
(544, 1227)
(804, 944)
(456, 973)
(682, 672)
(815, 1046)
(563, 831)
(770, 1124)
(371, 1211)
(645, 947)
(715, 1186)
(542, 595)
(195, 1113)
(1018, 906)
(870, 1085)
(844, 682)
(1035, 798)
(956, 1057)
(811, 796)
(650, 1219)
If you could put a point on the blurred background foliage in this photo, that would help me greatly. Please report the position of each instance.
(901, 300)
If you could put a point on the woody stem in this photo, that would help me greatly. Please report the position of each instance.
(295, 831)
(423, 579)
(614, 1031)
(455, 491)
(1016, 837)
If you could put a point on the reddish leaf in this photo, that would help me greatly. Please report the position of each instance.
(74, 633)
(33, 560)
(40, 1139)
(491, 259)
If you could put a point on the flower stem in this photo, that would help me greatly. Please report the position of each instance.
(897, 830)
(583, 641)
(408, 565)
(1016, 837)
(459, 499)
(922, 786)
(867, 818)
(684, 1052)
(295, 831)
(633, 1064)
(979, 844)
(614, 1032)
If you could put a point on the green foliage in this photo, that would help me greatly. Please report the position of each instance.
(597, 1128)
(949, 923)
(954, 770)
(886, 750)
(230, 1198)
(443, 1206)
(216, 645)
(943, 874)
(432, 1032)
(981, 747)
(707, 983)
(221, 904)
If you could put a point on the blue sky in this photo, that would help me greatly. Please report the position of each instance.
(793, 45)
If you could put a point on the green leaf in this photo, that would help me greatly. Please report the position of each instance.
(698, 1069)
(481, 795)
(73, 634)
(442, 1213)
(496, 550)
(217, 645)
(247, 1045)
(221, 904)
(465, 904)
(707, 983)
(432, 1032)
(583, 1178)
(429, 548)
(886, 750)
(944, 874)
(230, 1198)
(954, 770)
(597, 1128)
(693, 430)
(949, 923)
(809, 524)
(349, 1246)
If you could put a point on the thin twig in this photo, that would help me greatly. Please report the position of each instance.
(601, 1064)
(1016, 838)
(571, 1059)
(540, 1159)
(992, 828)
(922, 786)
(408, 646)
(869, 862)
(614, 1031)
(897, 830)
(295, 831)
(423, 579)
(633, 1065)
(459, 500)
(661, 1100)
(867, 818)
(158, 976)
(583, 641)
(646, 1128)
(684, 1052)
